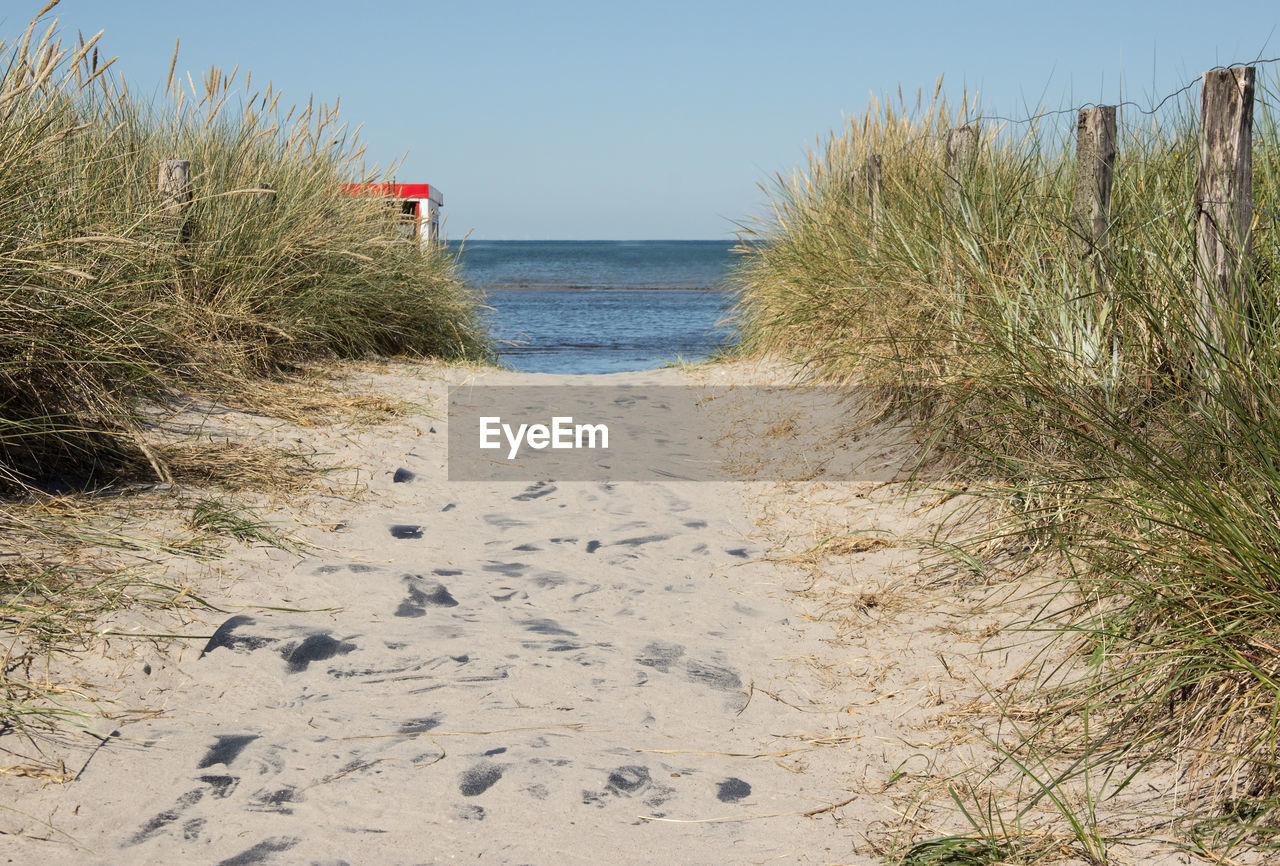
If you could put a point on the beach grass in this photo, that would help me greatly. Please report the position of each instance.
(113, 304)
(110, 297)
(1082, 400)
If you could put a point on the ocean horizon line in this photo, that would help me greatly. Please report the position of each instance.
(594, 240)
(522, 287)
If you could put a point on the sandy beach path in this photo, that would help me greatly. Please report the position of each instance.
(498, 673)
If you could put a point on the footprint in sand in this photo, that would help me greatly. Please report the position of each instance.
(732, 789)
(314, 648)
(423, 593)
(480, 778)
(537, 491)
(225, 750)
(220, 786)
(226, 636)
(660, 655)
(418, 726)
(279, 800)
(629, 781)
(712, 675)
(470, 812)
(507, 569)
(261, 852)
(157, 823)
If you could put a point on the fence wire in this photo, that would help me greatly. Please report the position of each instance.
(980, 117)
(1127, 103)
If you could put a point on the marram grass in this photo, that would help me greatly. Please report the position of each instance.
(1078, 395)
(106, 297)
(109, 302)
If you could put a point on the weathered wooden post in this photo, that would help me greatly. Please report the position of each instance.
(1090, 221)
(873, 171)
(1095, 169)
(265, 197)
(174, 185)
(961, 151)
(1224, 208)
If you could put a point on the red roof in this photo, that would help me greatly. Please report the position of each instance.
(397, 190)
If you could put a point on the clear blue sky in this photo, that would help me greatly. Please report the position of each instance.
(656, 119)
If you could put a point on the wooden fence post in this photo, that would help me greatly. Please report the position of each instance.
(266, 197)
(174, 185)
(1090, 221)
(1095, 168)
(1224, 208)
(961, 151)
(873, 170)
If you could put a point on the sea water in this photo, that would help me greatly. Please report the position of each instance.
(602, 306)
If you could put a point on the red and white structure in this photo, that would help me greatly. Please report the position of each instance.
(419, 202)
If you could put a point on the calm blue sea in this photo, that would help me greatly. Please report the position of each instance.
(601, 306)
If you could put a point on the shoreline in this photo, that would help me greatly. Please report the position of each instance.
(525, 288)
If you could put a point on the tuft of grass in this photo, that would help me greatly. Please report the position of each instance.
(238, 466)
(213, 518)
(51, 601)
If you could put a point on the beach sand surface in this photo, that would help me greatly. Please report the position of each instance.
(543, 672)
